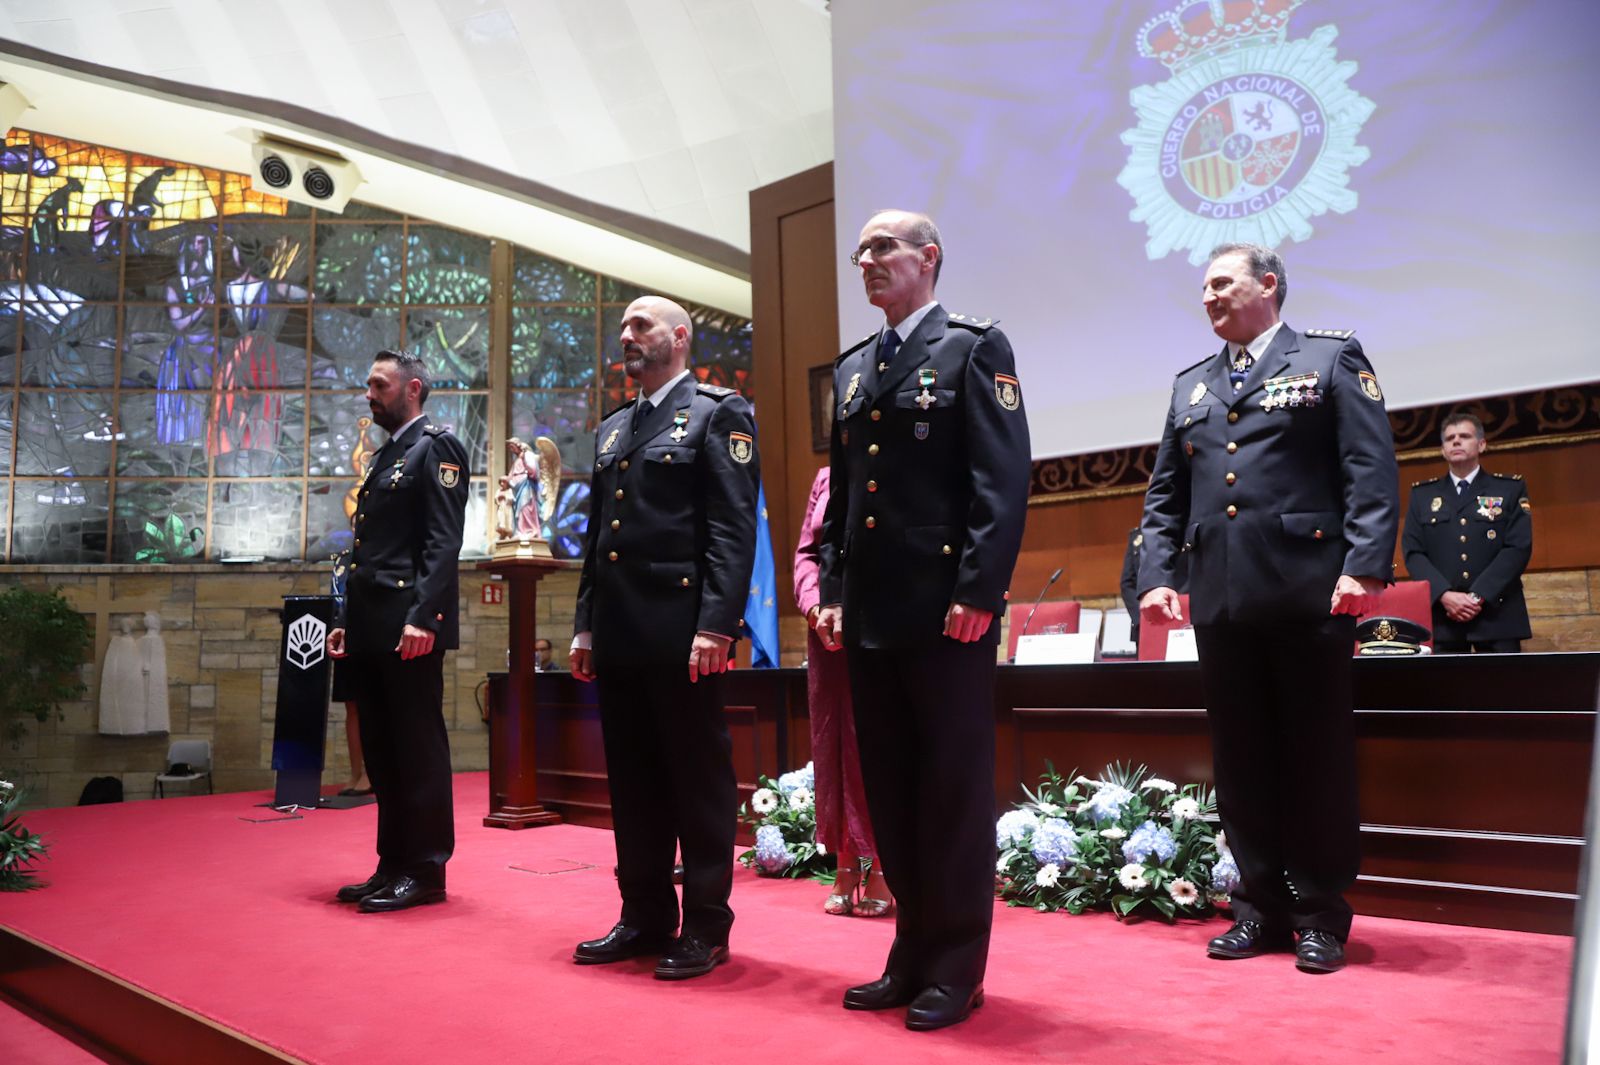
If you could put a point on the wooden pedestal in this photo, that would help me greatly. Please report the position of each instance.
(513, 790)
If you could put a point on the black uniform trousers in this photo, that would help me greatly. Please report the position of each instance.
(407, 752)
(1279, 703)
(669, 765)
(925, 731)
(1482, 647)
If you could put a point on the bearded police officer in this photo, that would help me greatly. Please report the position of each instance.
(1470, 535)
(666, 574)
(930, 477)
(1276, 477)
(400, 615)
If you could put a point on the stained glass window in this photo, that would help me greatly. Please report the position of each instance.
(183, 359)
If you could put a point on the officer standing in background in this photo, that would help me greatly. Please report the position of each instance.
(1470, 535)
(930, 470)
(666, 574)
(1276, 476)
(400, 615)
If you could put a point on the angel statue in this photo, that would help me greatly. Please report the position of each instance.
(527, 495)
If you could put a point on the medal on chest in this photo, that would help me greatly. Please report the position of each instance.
(679, 422)
(925, 378)
(1490, 506)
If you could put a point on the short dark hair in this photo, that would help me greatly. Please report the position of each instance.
(1462, 416)
(542, 639)
(1262, 260)
(411, 368)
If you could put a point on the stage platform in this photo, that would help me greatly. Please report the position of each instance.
(191, 930)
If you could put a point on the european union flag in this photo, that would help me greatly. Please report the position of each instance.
(761, 609)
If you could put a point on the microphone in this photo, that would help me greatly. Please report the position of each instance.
(1056, 576)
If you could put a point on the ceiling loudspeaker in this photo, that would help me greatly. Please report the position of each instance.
(12, 105)
(304, 175)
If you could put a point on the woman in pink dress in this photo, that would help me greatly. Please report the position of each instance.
(842, 824)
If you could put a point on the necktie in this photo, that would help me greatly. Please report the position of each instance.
(1241, 368)
(887, 348)
(1461, 488)
(641, 412)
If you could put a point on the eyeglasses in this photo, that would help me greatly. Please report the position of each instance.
(879, 247)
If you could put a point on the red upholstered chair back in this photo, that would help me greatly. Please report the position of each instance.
(1412, 600)
(1153, 638)
(1063, 612)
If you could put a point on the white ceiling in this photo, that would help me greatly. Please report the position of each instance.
(671, 110)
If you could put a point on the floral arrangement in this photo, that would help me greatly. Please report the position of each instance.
(1128, 842)
(18, 847)
(784, 814)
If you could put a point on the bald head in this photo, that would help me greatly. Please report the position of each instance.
(656, 335)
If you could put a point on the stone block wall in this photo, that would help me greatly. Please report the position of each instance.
(221, 631)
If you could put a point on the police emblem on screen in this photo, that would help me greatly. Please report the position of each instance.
(1251, 137)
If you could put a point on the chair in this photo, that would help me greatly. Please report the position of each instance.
(1153, 637)
(1412, 600)
(1062, 612)
(187, 762)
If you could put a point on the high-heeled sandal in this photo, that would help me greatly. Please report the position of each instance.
(841, 905)
(867, 906)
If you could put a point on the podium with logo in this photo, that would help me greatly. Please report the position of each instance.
(301, 725)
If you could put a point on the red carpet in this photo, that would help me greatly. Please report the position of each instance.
(233, 920)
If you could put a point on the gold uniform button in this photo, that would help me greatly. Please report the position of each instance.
(1463, 521)
(686, 582)
(360, 516)
(612, 556)
(872, 523)
(1233, 415)
(1465, 574)
(872, 449)
(877, 414)
(358, 541)
(1232, 447)
(1463, 539)
(667, 457)
(399, 584)
(1230, 478)
(946, 549)
(1463, 556)
(619, 493)
(1188, 421)
(872, 486)
(353, 567)
(616, 523)
(1233, 511)
(623, 464)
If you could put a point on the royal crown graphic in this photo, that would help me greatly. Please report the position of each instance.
(1251, 137)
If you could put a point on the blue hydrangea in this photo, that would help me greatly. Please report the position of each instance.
(772, 854)
(1054, 843)
(1106, 805)
(1150, 838)
(1225, 874)
(1012, 826)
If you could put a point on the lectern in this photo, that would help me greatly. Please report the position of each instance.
(513, 788)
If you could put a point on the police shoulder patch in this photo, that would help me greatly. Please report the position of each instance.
(1369, 385)
(1526, 504)
(741, 446)
(449, 474)
(1331, 334)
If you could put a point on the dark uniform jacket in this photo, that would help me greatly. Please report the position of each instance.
(1277, 489)
(1479, 542)
(672, 526)
(404, 566)
(931, 465)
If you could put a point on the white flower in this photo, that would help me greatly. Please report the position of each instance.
(1183, 892)
(1132, 877)
(1084, 781)
(1050, 809)
(1185, 809)
(1048, 876)
(822, 848)
(1000, 864)
(1158, 784)
(764, 801)
(1222, 842)
(800, 799)
(5, 785)
(1113, 832)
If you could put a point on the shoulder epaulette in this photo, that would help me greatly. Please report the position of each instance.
(435, 430)
(714, 391)
(1430, 480)
(1506, 476)
(973, 322)
(857, 346)
(618, 410)
(1330, 334)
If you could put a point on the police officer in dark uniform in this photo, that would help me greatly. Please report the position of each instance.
(930, 465)
(666, 574)
(1276, 476)
(1130, 580)
(1469, 535)
(400, 615)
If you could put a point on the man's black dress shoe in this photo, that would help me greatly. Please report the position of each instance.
(620, 944)
(370, 886)
(940, 1007)
(1318, 952)
(402, 893)
(690, 956)
(1246, 939)
(884, 993)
